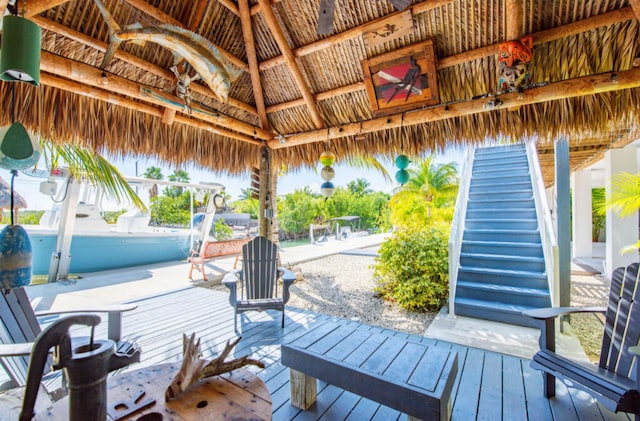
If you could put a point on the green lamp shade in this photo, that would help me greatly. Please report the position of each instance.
(20, 55)
(15, 257)
(402, 161)
(402, 176)
(18, 149)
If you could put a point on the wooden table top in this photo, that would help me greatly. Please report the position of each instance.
(239, 395)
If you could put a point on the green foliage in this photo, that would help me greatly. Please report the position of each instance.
(413, 269)
(247, 205)
(26, 217)
(297, 210)
(222, 230)
(177, 176)
(112, 216)
(174, 211)
(428, 198)
(598, 218)
(625, 198)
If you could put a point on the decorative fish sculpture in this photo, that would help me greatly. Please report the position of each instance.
(206, 59)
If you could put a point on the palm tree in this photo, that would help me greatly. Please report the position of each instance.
(625, 198)
(430, 193)
(87, 165)
(180, 176)
(360, 186)
(153, 173)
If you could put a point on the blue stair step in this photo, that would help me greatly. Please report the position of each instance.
(499, 312)
(503, 293)
(501, 248)
(502, 276)
(512, 183)
(518, 197)
(481, 211)
(510, 161)
(526, 236)
(502, 224)
(503, 261)
(495, 173)
(480, 203)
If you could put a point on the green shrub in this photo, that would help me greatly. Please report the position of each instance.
(413, 269)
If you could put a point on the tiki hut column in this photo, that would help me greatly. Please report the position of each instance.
(266, 206)
(582, 214)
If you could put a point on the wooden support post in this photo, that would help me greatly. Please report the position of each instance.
(264, 218)
(563, 218)
(303, 389)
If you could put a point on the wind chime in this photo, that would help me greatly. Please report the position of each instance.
(327, 158)
(402, 161)
(19, 62)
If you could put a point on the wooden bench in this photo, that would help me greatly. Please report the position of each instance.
(411, 377)
(215, 250)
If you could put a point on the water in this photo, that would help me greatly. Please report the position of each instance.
(293, 243)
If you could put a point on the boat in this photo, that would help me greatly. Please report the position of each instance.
(73, 237)
(97, 246)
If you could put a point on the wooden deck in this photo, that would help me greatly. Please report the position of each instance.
(489, 386)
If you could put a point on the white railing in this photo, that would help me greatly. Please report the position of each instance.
(457, 225)
(545, 223)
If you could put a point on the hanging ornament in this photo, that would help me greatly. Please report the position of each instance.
(15, 257)
(402, 176)
(327, 159)
(327, 173)
(402, 161)
(327, 188)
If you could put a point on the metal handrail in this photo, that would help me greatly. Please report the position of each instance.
(457, 225)
(545, 222)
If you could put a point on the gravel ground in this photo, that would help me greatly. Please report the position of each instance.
(342, 286)
(587, 291)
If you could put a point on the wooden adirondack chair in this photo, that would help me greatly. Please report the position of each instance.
(258, 280)
(20, 327)
(615, 381)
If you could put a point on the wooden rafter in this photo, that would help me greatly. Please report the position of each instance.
(635, 5)
(553, 34)
(131, 59)
(3, 6)
(35, 7)
(290, 59)
(586, 85)
(513, 16)
(94, 77)
(252, 58)
(351, 33)
(231, 6)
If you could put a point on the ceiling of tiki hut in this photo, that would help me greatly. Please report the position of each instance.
(385, 77)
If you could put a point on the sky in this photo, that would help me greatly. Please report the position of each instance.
(29, 187)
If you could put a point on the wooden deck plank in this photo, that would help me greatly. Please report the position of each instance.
(488, 385)
(514, 404)
(491, 389)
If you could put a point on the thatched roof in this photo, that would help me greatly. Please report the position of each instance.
(302, 93)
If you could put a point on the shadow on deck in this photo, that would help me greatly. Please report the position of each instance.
(488, 385)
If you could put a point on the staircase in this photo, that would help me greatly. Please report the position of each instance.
(502, 269)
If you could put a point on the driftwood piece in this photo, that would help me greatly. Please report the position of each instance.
(195, 368)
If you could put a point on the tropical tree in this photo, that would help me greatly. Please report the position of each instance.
(428, 196)
(153, 173)
(625, 198)
(179, 176)
(359, 186)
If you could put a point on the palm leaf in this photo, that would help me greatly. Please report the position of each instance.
(625, 197)
(89, 166)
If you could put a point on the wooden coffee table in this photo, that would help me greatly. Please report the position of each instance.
(238, 395)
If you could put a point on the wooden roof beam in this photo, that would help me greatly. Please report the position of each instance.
(290, 59)
(514, 19)
(252, 58)
(231, 6)
(133, 60)
(95, 78)
(553, 34)
(3, 6)
(35, 7)
(115, 99)
(635, 5)
(586, 85)
(351, 33)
